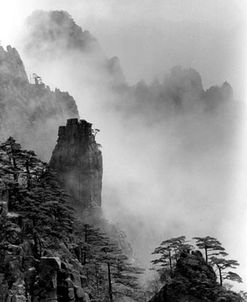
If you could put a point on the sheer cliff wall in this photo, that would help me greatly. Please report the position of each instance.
(78, 160)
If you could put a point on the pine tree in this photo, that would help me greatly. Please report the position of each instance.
(36, 194)
(105, 264)
(223, 264)
(12, 150)
(211, 246)
(46, 221)
(169, 251)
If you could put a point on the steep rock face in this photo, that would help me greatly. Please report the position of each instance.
(194, 281)
(78, 160)
(11, 66)
(30, 112)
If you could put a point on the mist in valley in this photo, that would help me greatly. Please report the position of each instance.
(170, 109)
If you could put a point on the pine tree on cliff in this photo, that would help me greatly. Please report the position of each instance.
(32, 167)
(36, 195)
(105, 264)
(48, 217)
(223, 264)
(169, 250)
(12, 150)
(22, 164)
(211, 246)
(102, 251)
(214, 253)
(91, 252)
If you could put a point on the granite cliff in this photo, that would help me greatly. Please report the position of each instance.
(78, 160)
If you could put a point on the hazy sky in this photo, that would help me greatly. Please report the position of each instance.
(150, 37)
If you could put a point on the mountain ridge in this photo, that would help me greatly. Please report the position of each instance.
(26, 107)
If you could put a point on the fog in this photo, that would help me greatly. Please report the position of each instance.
(190, 33)
(173, 147)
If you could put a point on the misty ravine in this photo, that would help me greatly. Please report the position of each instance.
(110, 190)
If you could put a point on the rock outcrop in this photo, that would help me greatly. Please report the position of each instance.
(30, 111)
(56, 275)
(194, 281)
(78, 160)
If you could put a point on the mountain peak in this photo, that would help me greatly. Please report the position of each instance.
(49, 28)
(11, 66)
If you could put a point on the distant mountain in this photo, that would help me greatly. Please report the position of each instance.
(54, 35)
(62, 44)
(30, 111)
(56, 29)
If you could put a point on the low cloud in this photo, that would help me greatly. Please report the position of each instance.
(170, 148)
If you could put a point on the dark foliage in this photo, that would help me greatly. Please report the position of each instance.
(36, 212)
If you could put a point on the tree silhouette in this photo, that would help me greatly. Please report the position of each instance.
(211, 246)
(222, 264)
(172, 248)
(35, 194)
(105, 264)
(169, 250)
